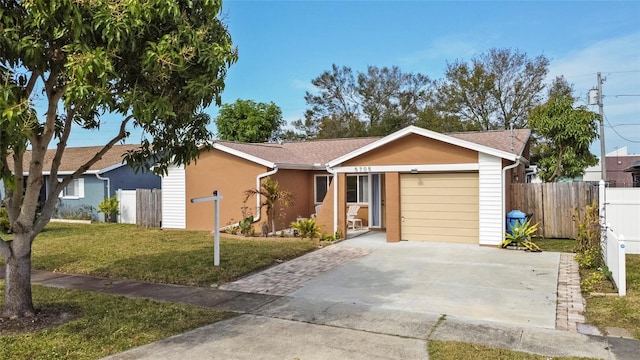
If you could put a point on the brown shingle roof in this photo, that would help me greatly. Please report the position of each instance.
(321, 152)
(497, 139)
(74, 157)
(300, 152)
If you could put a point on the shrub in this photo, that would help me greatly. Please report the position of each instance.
(592, 281)
(307, 228)
(588, 248)
(246, 226)
(589, 258)
(82, 212)
(110, 207)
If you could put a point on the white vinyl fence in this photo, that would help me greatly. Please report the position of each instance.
(622, 211)
(127, 201)
(620, 221)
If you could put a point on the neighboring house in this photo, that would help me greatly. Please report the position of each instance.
(618, 163)
(100, 181)
(415, 184)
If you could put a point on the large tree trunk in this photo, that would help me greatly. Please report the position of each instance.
(17, 286)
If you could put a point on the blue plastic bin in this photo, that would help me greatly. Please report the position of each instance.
(515, 217)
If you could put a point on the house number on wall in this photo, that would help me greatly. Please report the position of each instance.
(362, 169)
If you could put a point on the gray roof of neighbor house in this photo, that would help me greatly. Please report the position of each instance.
(74, 157)
(319, 152)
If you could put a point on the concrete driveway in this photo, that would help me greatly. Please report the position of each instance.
(459, 280)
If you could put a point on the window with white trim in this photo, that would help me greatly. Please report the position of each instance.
(74, 190)
(321, 187)
(357, 188)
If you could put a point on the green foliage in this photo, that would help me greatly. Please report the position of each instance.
(307, 228)
(520, 235)
(248, 121)
(246, 226)
(372, 103)
(588, 247)
(589, 258)
(271, 195)
(109, 206)
(494, 90)
(565, 134)
(82, 212)
(149, 64)
(592, 280)
(5, 224)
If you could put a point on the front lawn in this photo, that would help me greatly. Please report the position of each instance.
(556, 245)
(614, 311)
(453, 350)
(105, 324)
(162, 256)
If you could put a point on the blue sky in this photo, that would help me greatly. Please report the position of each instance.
(284, 44)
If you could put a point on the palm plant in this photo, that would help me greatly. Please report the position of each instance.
(271, 194)
(521, 234)
(307, 228)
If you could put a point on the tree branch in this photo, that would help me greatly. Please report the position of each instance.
(31, 83)
(54, 191)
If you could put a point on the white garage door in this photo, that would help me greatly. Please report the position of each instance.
(439, 207)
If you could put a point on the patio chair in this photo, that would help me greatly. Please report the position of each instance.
(314, 215)
(351, 216)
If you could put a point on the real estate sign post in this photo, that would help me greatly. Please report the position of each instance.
(216, 223)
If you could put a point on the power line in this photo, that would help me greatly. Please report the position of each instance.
(617, 133)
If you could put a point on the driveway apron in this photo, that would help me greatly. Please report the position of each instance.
(457, 280)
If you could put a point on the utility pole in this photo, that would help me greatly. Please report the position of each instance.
(595, 98)
(603, 157)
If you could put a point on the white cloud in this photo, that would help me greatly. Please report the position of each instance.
(304, 85)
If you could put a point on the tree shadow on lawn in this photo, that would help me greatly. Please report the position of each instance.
(192, 267)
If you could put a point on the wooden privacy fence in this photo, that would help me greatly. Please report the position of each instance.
(149, 208)
(552, 205)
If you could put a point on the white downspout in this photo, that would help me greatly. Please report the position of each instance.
(258, 185)
(335, 199)
(504, 190)
(108, 184)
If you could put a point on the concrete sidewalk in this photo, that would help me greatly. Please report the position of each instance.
(281, 327)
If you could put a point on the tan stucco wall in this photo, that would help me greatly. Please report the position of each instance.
(324, 219)
(231, 176)
(415, 149)
(300, 184)
(392, 206)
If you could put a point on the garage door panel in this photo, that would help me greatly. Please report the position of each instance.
(450, 183)
(440, 224)
(460, 191)
(440, 207)
(442, 238)
(436, 200)
(440, 215)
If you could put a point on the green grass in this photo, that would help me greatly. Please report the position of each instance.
(173, 257)
(556, 245)
(453, 350)
(614, 311)
(107, 324)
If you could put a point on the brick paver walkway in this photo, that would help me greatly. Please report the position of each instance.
(292, 275)
(571, 304)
